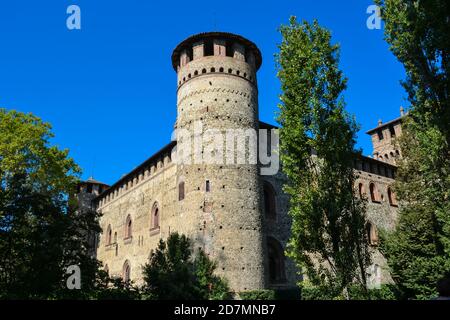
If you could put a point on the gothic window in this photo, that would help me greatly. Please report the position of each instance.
(155, 216)
(372, 234)
(373, 193)
(276, 261)
(181, 191)
(115, 237)
(269, 201)
(361, 190)
(208, 186)
(108, 235)
(392, 198)
(128, 225)
(126, 271)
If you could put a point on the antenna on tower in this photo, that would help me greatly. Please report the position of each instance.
(92, 166)
(214, 21)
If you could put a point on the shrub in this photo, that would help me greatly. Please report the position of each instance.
(257, 295)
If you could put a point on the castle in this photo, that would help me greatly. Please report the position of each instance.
(231, 211)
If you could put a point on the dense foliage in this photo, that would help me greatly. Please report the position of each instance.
(173, 273)
(41, 233)
(419, 251)
(257, 295)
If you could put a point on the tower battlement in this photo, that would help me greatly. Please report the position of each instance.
(216, 52)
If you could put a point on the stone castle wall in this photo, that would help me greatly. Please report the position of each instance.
(156, 189)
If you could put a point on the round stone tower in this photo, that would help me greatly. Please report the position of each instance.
(219, 195)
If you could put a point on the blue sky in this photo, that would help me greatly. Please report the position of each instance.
(109, 88)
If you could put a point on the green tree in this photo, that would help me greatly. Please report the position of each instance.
(318, 151)
(418, 251)
(114, 289)
(417, 32)
(172, 273)
(210, 285)
(40, 231)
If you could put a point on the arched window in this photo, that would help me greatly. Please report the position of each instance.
(128, 230)
(372, 234)
(155, 216)
(374, 193)
(115, 237)
(269, 201)
(392, 198)
(108, 235)
(106, 268)
(361, 191)
(181, 191)
(126, 271)
(276, 261)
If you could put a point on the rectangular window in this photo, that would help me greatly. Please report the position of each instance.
(208, 186)
(209, 48)
(180, 191)
(392, 131)
(380, 135)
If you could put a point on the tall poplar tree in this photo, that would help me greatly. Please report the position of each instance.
(317, 140)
